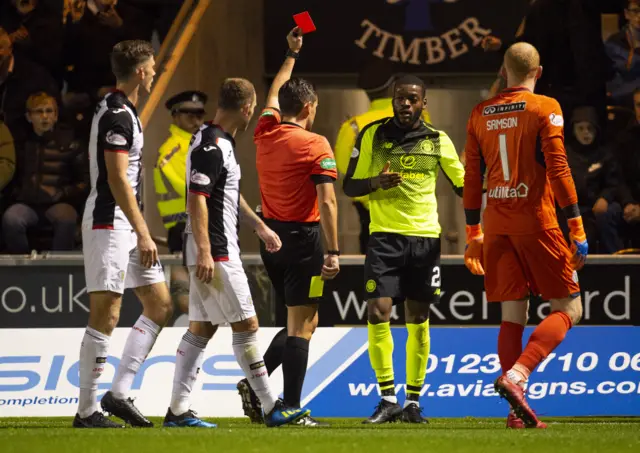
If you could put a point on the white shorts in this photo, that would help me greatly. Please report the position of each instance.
(112, 262)
(226, 299)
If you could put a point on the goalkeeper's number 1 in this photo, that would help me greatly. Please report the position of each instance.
(504, 156)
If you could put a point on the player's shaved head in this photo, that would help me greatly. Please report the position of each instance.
(522, 60)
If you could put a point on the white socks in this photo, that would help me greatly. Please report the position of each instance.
(188, 361)
(409, 402)
(139, 343)
(93, 358)
(392, 399)
(245, 348)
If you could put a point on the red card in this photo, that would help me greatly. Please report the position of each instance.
(304, 22)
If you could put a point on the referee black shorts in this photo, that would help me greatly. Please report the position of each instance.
(175, 237)
(295, 269)
(402, 267)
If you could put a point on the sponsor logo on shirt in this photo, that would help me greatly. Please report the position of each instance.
(499, 109)
(199, 178)
(505, 192)
(114, 138)
(556, 120)
(408, 161)
(413, 175)
(328, 163)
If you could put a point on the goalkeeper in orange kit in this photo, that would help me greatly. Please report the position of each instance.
(518, 138)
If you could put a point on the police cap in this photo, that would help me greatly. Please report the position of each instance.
(187, 101)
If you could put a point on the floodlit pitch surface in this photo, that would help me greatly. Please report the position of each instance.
(566, 435)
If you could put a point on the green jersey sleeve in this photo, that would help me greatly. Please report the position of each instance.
(357, 180)
(450, 164)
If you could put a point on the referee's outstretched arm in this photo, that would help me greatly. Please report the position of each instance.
(294, 39)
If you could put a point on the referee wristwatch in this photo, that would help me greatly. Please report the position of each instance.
(292, 54)
(333, 252)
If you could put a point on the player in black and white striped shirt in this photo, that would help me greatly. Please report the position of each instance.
(219, 291)
(118, 250)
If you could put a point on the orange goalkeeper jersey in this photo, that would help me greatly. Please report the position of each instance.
(517, 137)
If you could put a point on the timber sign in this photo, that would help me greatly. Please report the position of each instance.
(420, 36)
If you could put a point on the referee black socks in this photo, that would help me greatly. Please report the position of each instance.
(273, 355)
(294, 368)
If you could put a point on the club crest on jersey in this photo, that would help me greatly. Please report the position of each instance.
(427, 146)
(199, 178)
(114, 138)
(499, 109)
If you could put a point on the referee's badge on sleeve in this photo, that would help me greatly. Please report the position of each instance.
(328, 163)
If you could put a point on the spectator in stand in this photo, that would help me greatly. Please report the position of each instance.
(36, 30)
(636, 104)
(88, 43)
(52, 180)
(627, 154)
(594, 173)
(568, 35)
(157, 15)
(19, 77)
(623, 48)
(72, 11)
(7, 162)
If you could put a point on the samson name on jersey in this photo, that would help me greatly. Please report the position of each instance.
(115, 128)
(213, 171)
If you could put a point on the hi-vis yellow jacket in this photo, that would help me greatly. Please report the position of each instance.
(169, 177)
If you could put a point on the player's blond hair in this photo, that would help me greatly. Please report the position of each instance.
(522, 60)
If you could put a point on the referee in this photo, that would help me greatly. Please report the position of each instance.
(296, 169)
(396, 160)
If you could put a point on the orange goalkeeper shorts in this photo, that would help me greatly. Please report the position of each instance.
(538, 264)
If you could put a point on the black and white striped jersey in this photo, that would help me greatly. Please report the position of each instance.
(213, 171)
(115, 128)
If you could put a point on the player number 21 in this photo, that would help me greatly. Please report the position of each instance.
(504, 156)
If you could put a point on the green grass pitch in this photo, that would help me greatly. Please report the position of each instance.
(564, 435)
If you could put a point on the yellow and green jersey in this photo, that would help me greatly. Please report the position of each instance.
(411, 208)
(380, 108)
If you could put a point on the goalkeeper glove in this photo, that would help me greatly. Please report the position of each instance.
(579, 245)
(473, 250)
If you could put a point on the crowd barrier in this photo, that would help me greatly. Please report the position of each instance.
(595, 372)
(50, 292)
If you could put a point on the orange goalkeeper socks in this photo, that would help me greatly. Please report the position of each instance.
(509, 344)
(544, 339)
